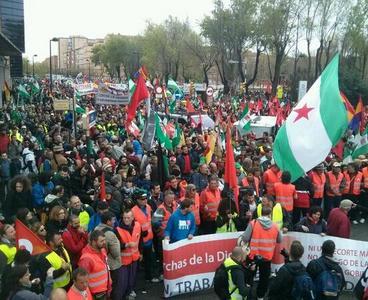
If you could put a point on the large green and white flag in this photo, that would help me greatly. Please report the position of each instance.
(244, 122)
(313, 127)
(174, 88)
(161, 134)
(23, 92)
(361, 141)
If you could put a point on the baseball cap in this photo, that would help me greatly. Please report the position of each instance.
(336, 164)
(346, 204)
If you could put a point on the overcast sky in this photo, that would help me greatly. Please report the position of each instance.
(45, 19)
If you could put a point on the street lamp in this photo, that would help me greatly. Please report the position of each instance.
(89, 69)
(34, 55)
(52, 40)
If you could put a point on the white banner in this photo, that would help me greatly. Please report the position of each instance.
(189, 265)
(112, 94)
(84, 88)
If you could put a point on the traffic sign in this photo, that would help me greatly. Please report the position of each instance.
(209, 91)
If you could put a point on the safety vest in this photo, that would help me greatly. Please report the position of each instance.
(318, 182)
(365, 177)
(229, 262)
(255, 184)
(353, 184)
(285, 195)
(130, 255)
(212, 200)
(98, 279)
(227, 227)
(165, 218)
(263, 242)
(84, 219)
(75, 294)
(195, 209)
(144, 220)
(270, 178)
(9, 252)
(56, 262)
(277, 216)
(335, 184)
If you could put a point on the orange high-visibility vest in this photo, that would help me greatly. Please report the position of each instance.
(256, 184)
(74, 294)
(167, 215)
(144, 220)
(285, 195)
(356, 184)
(195, 209)
(365, 177)
(212, 200)
(347, 187)
(269, 179)
(334, 184)
(263, 242)
(99, 277)
(318, 184)
(130, 255)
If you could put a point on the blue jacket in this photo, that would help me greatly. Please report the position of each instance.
(137, 148)
(94, 221)
(39, 192)
(180, 226)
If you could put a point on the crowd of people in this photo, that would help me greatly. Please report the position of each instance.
(100, 203)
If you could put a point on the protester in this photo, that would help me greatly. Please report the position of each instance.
(313, 222)
(181, 224)
(58, 220)
(281, 287)
(113, 254)
(227, 219)
(7, 245)
(80, 290)
(262, 235)
(130, 239)
(75, 238)
(19, 283)
(94, 261)
(285, 193)
(318, 179)
(58, 259)
(338, 223)
(142, 214)
(209, 200)
(19, 196)
(236, 277)
(326, 263)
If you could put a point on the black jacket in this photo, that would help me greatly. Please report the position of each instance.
(314, 268)
(15, 200)
(281, 286)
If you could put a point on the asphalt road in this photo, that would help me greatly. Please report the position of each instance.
(155, 290)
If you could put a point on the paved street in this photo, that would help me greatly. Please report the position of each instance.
(155, 291)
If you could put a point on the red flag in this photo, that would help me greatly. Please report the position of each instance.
(26, 239)
(133, 129)
(339, 149)
(279, 117)
(140, 94)
(230, 172)
(190, 108)
(103, 188)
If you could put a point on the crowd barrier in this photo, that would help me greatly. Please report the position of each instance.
(189, 265)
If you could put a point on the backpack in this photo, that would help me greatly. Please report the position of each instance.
(221, 281)
(303, 286)
(328, 283)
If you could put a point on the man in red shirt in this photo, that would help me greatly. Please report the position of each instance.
(338, 223)
(4, 141)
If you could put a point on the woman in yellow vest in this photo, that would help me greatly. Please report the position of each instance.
(7, 245)
(227, 219)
